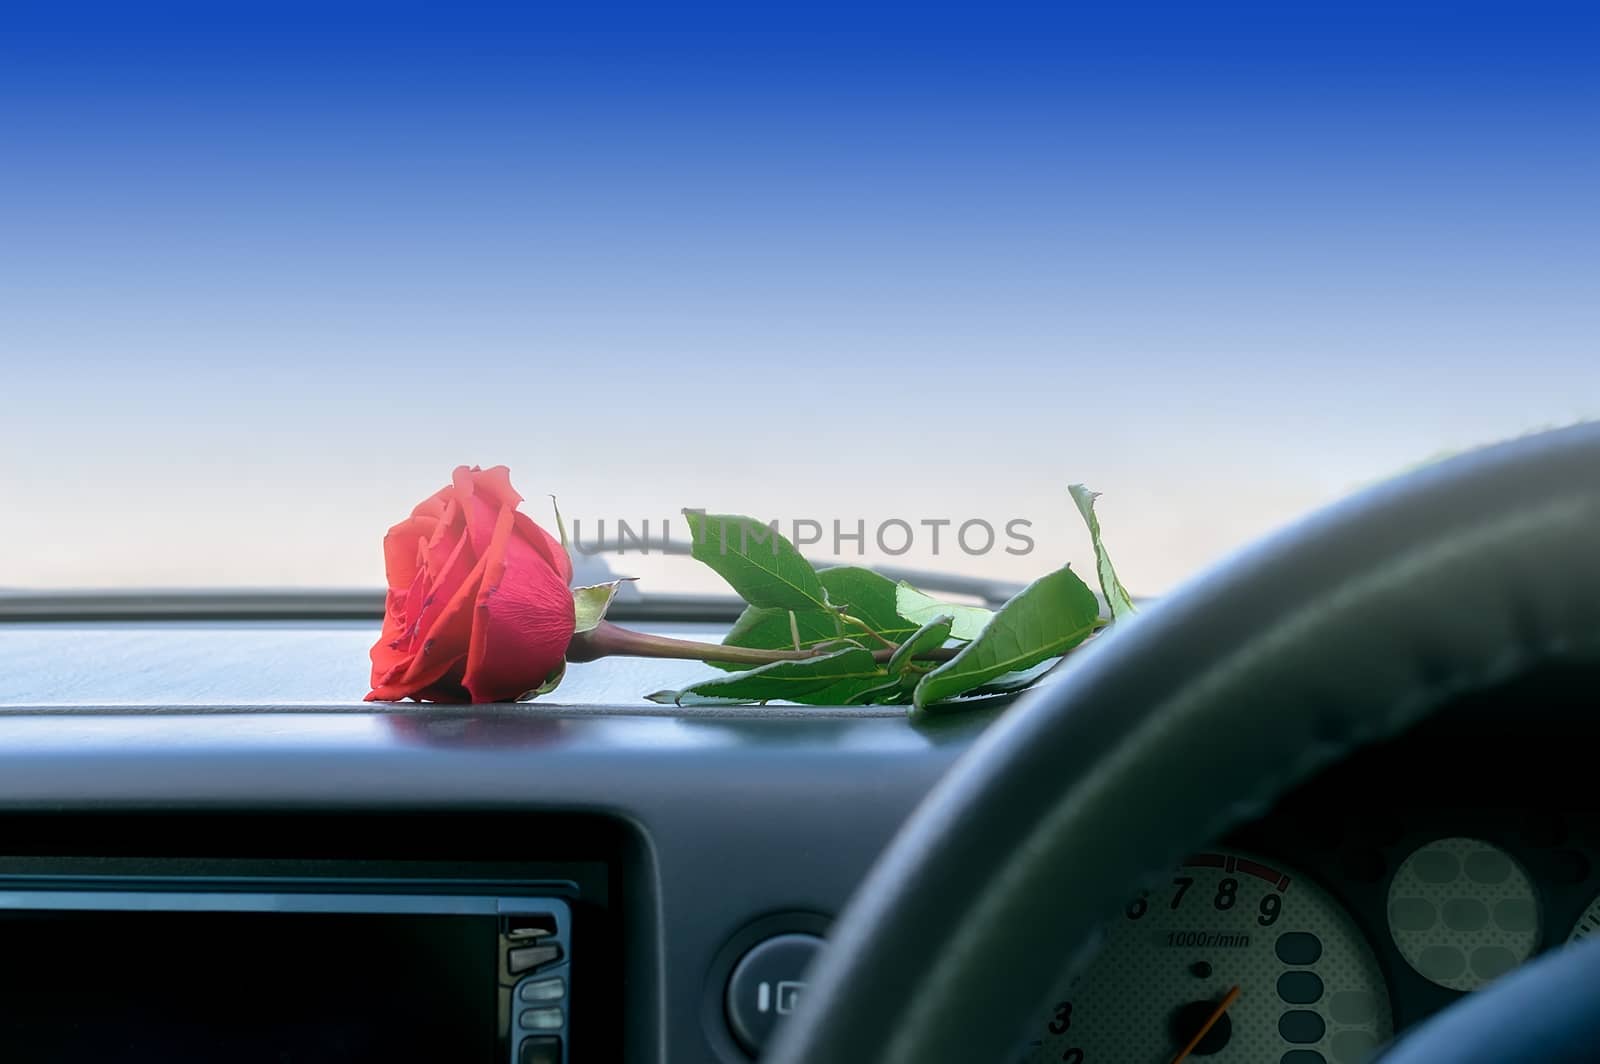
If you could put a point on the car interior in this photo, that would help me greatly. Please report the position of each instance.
(1336, 787)
(551, 533)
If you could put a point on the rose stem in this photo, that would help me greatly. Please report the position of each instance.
(611, 640)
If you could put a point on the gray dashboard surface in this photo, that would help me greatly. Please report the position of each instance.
(738, 815)
(279, 663)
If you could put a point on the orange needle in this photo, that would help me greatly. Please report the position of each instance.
(1205, 1028)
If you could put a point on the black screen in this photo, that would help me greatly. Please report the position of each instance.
(247, 988)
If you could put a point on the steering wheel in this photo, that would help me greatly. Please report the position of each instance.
(1197, 715)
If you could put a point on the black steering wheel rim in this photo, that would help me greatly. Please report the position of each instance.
(1346, 628)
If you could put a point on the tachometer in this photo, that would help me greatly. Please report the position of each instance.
(1233, 960)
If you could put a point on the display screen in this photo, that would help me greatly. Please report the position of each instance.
(247, 988)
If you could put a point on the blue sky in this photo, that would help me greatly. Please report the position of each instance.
(270, 271)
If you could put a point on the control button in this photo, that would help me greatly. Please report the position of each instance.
(766, 985)
(528, 958)
(541, 1050)
(543, 990)
(547, 1019)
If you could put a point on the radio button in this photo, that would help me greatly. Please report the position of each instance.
(540, 1050)
(527, 958)
(546, 1019)
(542, 990)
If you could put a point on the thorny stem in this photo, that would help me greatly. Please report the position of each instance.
(873, 632)
(611, 640)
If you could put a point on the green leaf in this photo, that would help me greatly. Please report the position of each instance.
(1044, 620)
(887, 693)
(756, 561)
(1014, 681)
(561, 526)
(828, 679)
(928, 637)
(1117, 597)
(862, 593)
(904, 663)
(857, 691)
(766, 628)
(589, 604)
(870, 597)
(551, 682)
(920, 608)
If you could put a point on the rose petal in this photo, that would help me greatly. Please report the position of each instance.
(434, 504)
(523, 619)
(548, 546)
(444, 582)
(495, 482)
(439, 637)
(400, 549)
(479, 511)
(447, 689)
(447, 534)
(446, 643)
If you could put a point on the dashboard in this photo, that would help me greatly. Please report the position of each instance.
(663, 849)
(134, 764)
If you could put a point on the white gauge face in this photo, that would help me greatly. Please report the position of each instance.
(1309, 987)
(1588, 924)
(1463, 912)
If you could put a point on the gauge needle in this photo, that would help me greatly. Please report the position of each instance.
(1205, 1028)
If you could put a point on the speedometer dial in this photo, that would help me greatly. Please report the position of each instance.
(1588, 923)
(1233, 960)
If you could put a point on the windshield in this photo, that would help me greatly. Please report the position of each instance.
(269, 278)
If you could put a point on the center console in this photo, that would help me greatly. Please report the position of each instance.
(234, 973)
(300, 958)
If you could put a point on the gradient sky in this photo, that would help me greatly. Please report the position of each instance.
(267, 272)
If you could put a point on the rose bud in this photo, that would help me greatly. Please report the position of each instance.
(478, 607)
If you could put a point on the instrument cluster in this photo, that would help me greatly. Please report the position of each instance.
(1377, 895)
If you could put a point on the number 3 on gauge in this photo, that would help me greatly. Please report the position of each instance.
(1061, 1023)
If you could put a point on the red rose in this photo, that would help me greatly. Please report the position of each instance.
(479, 607)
